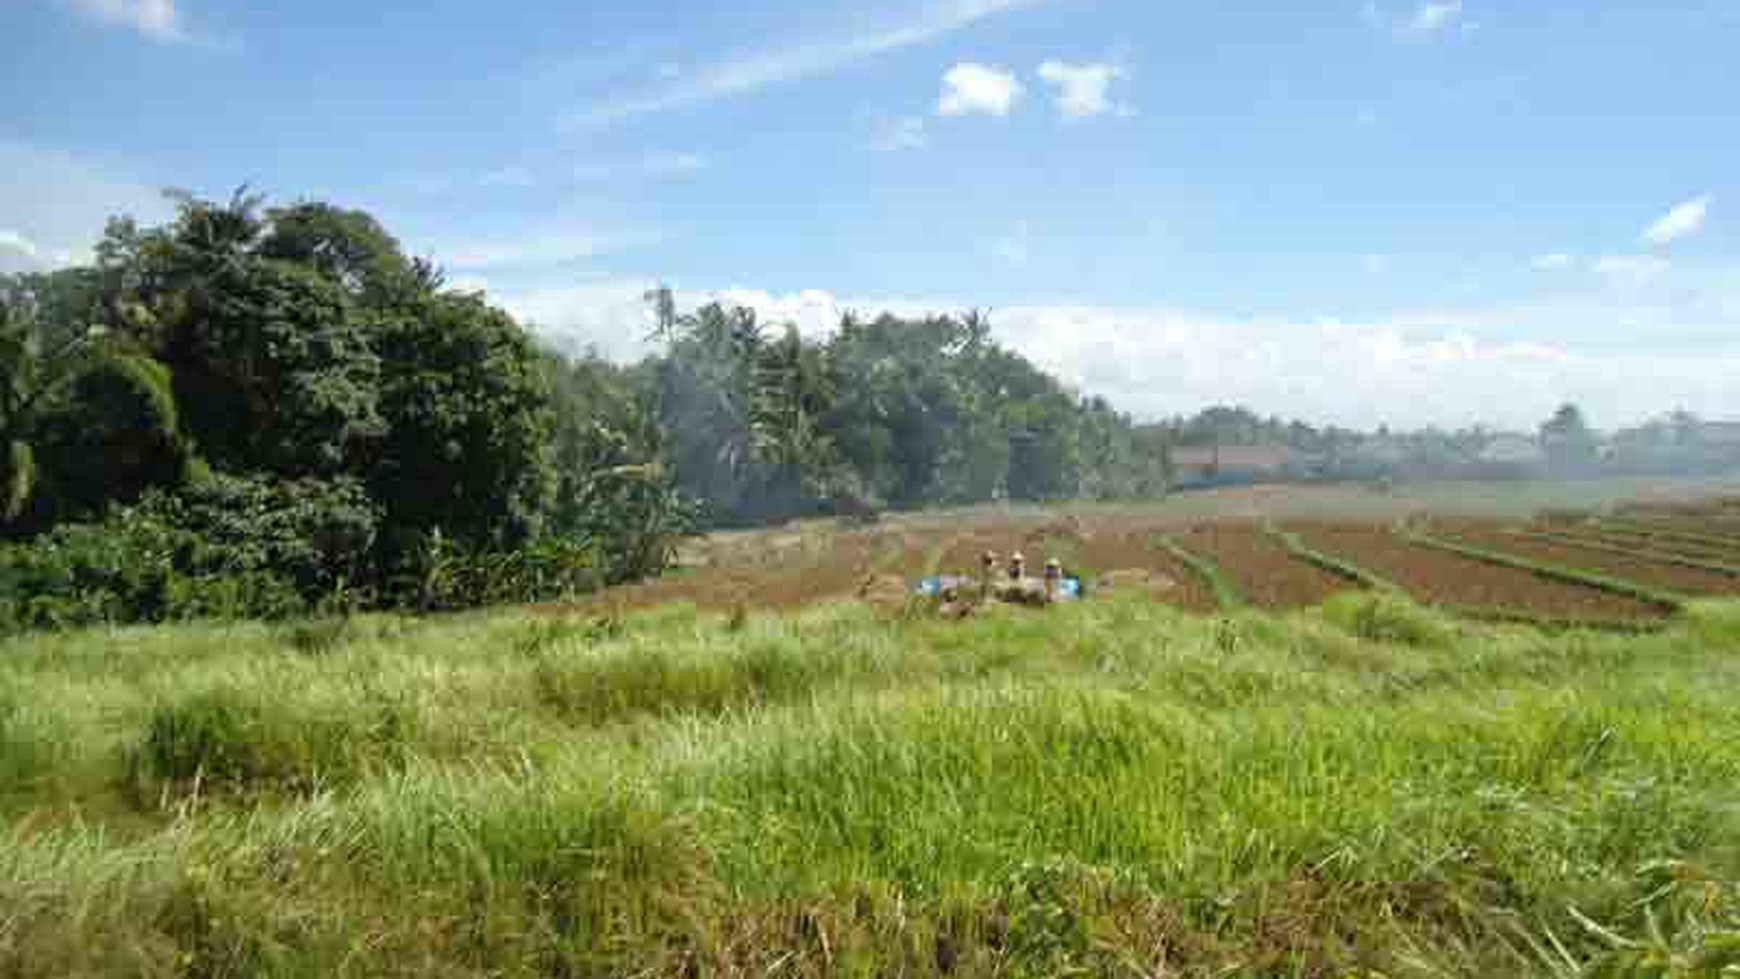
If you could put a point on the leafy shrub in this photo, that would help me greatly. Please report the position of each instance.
(319, 534)
(132, 567)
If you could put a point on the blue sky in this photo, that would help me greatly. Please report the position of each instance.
(1407, 212)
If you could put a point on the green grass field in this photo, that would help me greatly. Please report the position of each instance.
(1112, 788)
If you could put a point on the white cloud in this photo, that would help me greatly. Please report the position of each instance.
(156, 19)
(970, 88)
(1084, 90)
(1686, 218)
(665, 163)
(778, 65)
(1374, 264)
(896, 133)
(518, 178)
(1431, 18)
(1551, 262)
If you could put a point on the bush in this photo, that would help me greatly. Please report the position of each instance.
(318, 534)
(132, 567)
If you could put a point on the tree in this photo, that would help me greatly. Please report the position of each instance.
(276, 370)
(468, 442)
(1567, 439)
(110, 434)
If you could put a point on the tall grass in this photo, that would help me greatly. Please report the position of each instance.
(1106, 788)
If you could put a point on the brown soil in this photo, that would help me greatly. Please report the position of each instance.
(1261, 567)
(1440, 577)
(1641, 571)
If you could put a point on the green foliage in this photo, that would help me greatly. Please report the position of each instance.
(17, 479)
(111, 434)
(1095, 791)
(233, 739)
(468, 448)
(319, 535)
(1387, 618)
(275, 369)
(224, 548)
(444, 574)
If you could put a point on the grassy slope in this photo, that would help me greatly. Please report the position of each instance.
(1112, 787)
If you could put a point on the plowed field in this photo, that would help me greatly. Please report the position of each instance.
(1638, 570)
(1452, 579)
(1261, 567)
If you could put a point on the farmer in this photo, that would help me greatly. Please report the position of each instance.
(1053, 579)
(987, 574)
(1017, 568)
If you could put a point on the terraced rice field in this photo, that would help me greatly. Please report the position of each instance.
(1635, 569)
(1443, 578)
(816, 562)
(1263, 570)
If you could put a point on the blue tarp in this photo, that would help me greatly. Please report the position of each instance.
(935, 586)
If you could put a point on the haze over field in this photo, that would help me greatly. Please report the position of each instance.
(1448, 212)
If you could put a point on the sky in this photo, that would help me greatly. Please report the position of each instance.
(1351, 212)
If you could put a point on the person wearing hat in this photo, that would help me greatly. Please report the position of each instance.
(1053, 579)
(1017, 568)
(987, 574)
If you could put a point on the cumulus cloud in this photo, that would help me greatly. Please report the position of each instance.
(791, 61)
(970, 88)
(1686, 218)
(1084, 90)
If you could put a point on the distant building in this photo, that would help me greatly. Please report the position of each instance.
(1233, 464)
(1512, 450)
